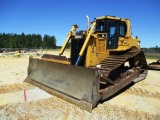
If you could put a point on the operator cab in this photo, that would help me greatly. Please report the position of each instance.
(114, 27)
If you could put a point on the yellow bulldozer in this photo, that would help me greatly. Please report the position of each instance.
(103, 60)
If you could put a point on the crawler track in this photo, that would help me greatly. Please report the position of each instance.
(115, 75)
(114, 63)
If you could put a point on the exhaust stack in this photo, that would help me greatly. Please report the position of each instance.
(87, 22)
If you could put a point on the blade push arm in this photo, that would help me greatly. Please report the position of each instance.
(72, 32)
(85, 43)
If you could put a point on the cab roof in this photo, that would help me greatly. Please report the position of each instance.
(111, 17)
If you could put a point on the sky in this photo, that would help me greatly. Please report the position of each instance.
(56, 17)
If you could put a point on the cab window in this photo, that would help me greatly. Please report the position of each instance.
(112, 31)
(100, 26)
(122, 29)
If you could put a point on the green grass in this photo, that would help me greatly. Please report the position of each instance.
(152, 56)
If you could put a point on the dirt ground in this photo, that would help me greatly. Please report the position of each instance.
(139, 101)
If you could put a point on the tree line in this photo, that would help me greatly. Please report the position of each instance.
(11, 40)
(151, 49)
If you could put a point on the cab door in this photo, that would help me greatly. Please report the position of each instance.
(112, 39)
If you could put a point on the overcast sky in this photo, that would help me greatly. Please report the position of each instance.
(56, 17)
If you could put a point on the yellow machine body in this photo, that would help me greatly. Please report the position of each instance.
(96, 68)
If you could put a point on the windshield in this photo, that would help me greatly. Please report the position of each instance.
(100, 26)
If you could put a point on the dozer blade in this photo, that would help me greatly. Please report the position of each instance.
(75, 84)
